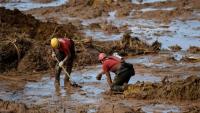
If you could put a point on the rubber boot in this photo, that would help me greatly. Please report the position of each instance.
(117, 88)
(57, 71)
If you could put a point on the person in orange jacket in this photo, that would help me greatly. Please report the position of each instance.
(122, 70)
(64, 51)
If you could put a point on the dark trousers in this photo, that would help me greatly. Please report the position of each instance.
(122, 77)
(67, 65)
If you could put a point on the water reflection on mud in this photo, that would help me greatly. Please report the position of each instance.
(182, 33)
(27, 5)
(160, 108)
(45, 90)
(148, 1)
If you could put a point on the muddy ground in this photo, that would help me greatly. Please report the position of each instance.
(28, 42)
(165, 80)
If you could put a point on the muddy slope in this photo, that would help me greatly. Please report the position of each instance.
(183, 9)
(187, 89)
(22, 36)
(25, 43)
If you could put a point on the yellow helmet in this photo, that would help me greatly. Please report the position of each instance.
(54, 43)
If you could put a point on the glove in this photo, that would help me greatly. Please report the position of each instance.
(53, 54)
(117, 55)
(61, 64)
(98, 77)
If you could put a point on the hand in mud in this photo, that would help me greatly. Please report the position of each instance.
(98, 77)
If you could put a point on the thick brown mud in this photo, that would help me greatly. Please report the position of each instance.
(167, 69)
(184, 89)
(28, 40)
(151, 81)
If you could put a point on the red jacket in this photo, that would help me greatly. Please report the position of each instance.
(65, 45)
(109, 64)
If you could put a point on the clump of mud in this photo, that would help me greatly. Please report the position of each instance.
(188, 89)
(117, 108)
(25, 40)
(13, 107)
(194, 49)
(129, 45)
(12, 52)
(94, 8)
(175, 48)
(194, 109)
(42, 1)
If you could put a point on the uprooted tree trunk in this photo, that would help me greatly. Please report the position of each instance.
(11, 52)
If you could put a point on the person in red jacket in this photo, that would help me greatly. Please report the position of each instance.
(64, 51)
(122, 70)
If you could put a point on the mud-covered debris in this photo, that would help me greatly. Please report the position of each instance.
(110, 28)
(35, 54)
(25, 40)
(128, 45)
(194, 49)
(96, 8)
(117, 108)
(13, 107)
(175, 48)
(192, 59)
(37, 59)
(95, 26)
(193, 109)
(96, 3)
(11, 52)
(42, 1)
(156, 46)
(188, 89)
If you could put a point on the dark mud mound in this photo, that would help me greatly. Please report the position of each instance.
(117, 108)
(88, 50)
(95, 8)
(12, 52)
(194, 109)
(128, 45)
(37, 59)
(188, 89)
(26, 25)
(194, 49)
(42, 1)
(183, 9)
(12, 107)
(24, 40)
(17, 22)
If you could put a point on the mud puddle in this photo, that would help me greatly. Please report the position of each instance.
(156, 9)
(181, 33)
(148, 61)
(160, 108)
(45, 92)
(144, 78)
(177, 32)
(28, 4)
(101, 36)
